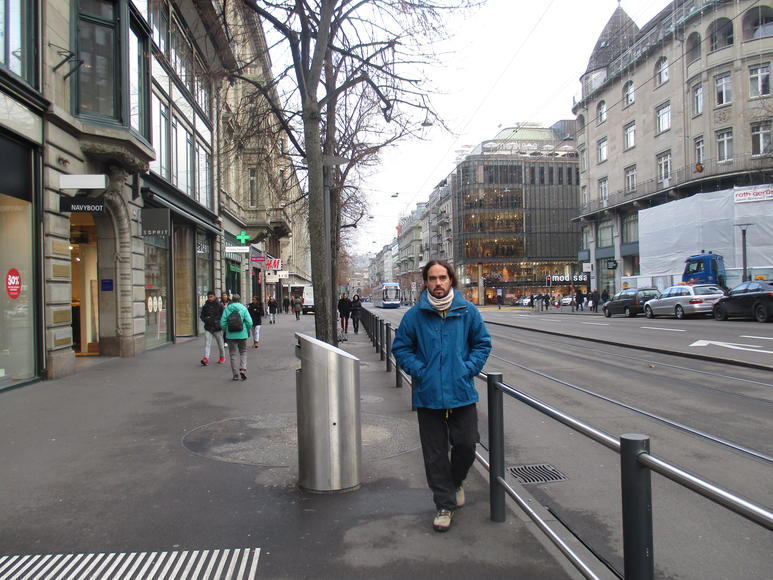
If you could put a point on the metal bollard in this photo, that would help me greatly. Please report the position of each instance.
(398, 378)
(388, 346)
(380, 333)
(636, 482)
(496, 448)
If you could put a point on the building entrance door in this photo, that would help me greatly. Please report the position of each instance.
(85, 284)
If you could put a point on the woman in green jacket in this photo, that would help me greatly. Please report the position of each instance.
(236, 322)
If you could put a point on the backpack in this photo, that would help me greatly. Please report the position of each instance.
(234, 321)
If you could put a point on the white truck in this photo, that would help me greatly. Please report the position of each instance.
(306, 294)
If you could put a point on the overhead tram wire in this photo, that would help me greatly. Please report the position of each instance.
(489, 92)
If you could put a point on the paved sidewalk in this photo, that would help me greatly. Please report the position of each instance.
(156, 453)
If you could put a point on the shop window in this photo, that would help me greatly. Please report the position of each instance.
(631, 228)
(605, 230)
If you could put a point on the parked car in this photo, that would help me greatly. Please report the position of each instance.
(747, 300)
(629, 301)
(684, 300)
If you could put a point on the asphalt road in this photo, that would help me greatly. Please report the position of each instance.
(634, 390)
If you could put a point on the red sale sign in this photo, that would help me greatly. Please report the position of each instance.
(13, 283)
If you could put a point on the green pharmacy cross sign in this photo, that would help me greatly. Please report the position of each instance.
(243, 237)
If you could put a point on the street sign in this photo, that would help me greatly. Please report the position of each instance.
(82, 204)
(611, 264)
(237, 249)
(587, 267)
(281, 274)
(274, 264)
(271, 278)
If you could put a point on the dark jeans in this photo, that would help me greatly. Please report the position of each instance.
(437, 429)
(356, 323)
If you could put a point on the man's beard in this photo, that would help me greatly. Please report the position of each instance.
(443, 291)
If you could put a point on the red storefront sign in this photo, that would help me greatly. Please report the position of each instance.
(274, 264)
(13, 283)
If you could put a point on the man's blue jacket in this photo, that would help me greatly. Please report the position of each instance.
(442, 355)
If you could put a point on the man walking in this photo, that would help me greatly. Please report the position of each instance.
(442, 342)
(273, 306)
(297, 307)
(211, 311)
(237, 322)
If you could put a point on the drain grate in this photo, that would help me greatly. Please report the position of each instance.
(536, 473)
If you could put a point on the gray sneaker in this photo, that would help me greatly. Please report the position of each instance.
(442, 521)
(459, 496)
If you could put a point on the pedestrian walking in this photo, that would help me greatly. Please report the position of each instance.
(210, 314)
(286, 304)
(356, 312)
(605, 295)
(344, 310)
(595, 297)
(237, 322)
(579, 298)
(256, 312)
(500, 301)
(442, 342)
(297, 304)
(224, 301)
(546, 301)
(273, 306)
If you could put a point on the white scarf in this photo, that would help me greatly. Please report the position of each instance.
(441, 304)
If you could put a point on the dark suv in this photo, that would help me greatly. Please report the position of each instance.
(629, 301)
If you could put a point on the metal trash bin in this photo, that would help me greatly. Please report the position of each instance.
(328, 404)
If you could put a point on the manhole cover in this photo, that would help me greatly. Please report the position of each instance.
(536, 473)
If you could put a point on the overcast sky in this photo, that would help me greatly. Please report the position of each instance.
(511, 61)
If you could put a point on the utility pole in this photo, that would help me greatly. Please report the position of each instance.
(745, 272)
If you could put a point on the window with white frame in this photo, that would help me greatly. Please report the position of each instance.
(603, 184)
(663, 165)
(725, 145)
(698, 149)
(602, 150)
(761, 138)
(584, 195)
(630, 178)
(723, 85)
(583, 160)
(629, 135)
(661, 71)
(697, 99)
(629, 93)
(759, 81)
(601, 112)
(663, 118)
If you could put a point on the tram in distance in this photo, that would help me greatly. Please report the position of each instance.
(388, 296)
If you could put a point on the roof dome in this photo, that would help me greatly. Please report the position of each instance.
(618, 35)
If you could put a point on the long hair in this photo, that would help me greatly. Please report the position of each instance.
(449, 268)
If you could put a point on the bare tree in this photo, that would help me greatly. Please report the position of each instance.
(347, 51)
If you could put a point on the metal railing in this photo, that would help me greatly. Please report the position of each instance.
(636, 465)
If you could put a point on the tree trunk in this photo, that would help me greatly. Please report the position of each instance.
(318, 229)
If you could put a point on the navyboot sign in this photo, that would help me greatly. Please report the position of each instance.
(82, 204)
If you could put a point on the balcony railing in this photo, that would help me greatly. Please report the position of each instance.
(711, 168)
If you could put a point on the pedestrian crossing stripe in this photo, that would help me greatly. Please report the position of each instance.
(221, 564)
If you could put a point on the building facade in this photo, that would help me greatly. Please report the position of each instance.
(514, 197)
(677, 108)
(135, 176)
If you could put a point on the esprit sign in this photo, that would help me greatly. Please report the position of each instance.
(13, 283)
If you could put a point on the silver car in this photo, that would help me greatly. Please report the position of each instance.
(684, 300)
